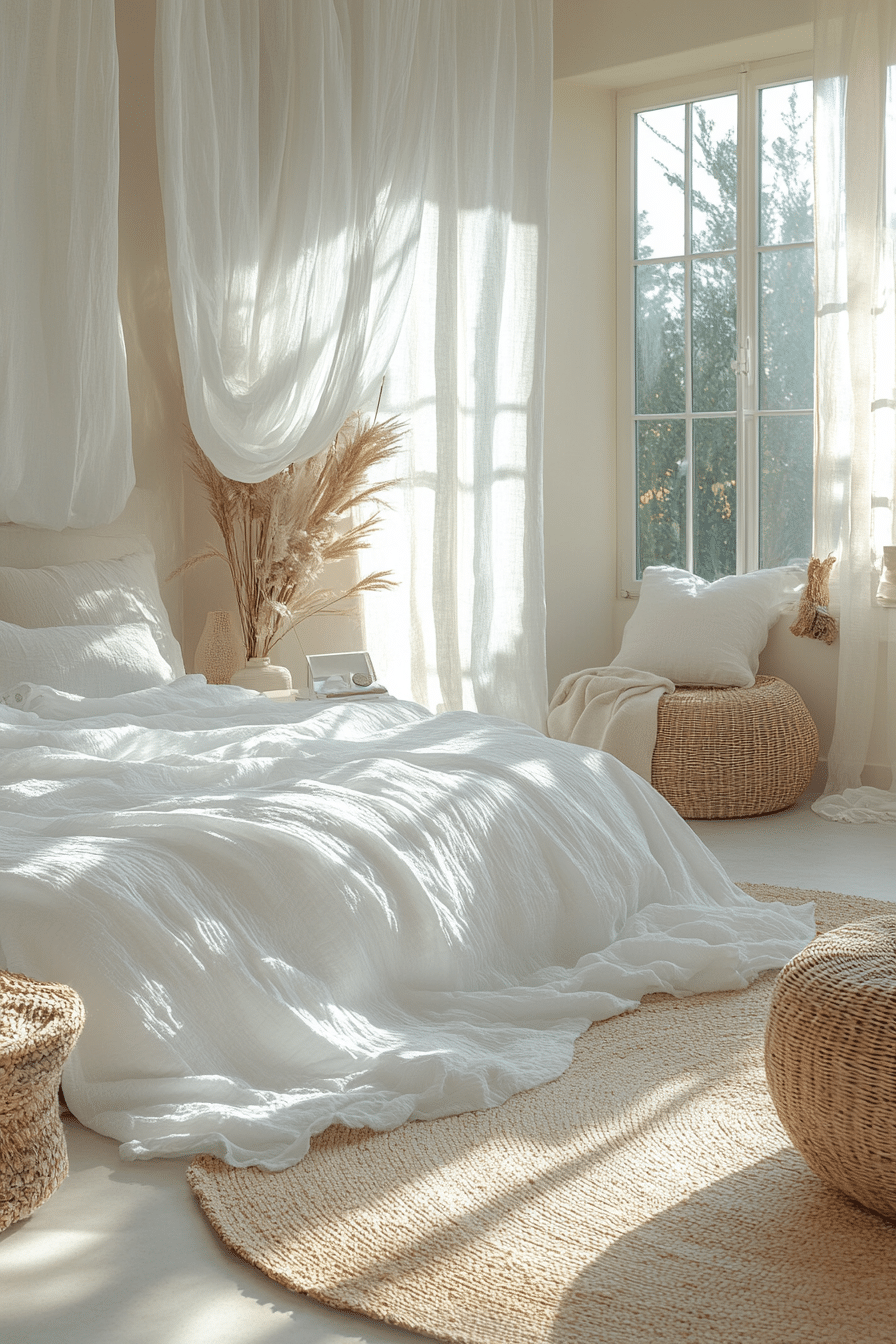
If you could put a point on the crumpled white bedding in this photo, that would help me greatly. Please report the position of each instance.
(284, 915)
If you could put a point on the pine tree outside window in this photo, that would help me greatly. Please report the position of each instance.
(716, 324)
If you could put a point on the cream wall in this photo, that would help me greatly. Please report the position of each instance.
(615, 43)
(580, 437)
(600, 46)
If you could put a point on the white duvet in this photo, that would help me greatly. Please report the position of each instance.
(284, 915)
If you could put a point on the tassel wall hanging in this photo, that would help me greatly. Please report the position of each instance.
(813, 619)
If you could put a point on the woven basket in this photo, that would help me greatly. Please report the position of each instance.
(39, 1024)
(830, 1058)
(731, 751)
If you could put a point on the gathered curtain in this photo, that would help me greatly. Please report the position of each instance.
(466, 628)
(855, 172)
(293, 144)
(65, 420)
(355, 188)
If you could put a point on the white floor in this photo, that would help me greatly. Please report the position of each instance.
(122, 1255)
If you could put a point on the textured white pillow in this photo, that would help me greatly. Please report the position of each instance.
(92, 660)
(705, 634)
(91, 592)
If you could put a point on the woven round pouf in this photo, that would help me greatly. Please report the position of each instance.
(39, 1024)
(830, 1058)
(733, 751)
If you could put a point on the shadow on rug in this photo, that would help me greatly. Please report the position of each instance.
(648, 1194)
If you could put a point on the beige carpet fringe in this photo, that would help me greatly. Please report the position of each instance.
(648, 1196)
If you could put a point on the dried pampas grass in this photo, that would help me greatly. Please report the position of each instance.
(279, 534)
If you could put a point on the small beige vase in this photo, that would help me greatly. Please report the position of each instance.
(220, 650)
(260, 674)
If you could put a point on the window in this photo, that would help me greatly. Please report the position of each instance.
(716, 313)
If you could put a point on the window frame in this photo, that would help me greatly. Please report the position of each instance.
(746, 81)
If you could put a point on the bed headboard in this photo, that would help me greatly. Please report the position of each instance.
(32, 547)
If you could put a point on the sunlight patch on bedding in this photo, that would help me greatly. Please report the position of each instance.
(155, 1005)
(539, 772)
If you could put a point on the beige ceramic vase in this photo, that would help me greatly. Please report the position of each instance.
(260, 674)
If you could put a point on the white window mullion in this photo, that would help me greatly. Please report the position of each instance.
(688, 346)
(748, 326)
(626, 425)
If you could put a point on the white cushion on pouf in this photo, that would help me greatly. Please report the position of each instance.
(706, 634)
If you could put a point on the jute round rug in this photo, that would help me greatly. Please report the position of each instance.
(649, 1194)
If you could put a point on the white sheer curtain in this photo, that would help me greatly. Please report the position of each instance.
(65, 425)
(302, 147)
(855, 168)
(293, 143)
(466, 628)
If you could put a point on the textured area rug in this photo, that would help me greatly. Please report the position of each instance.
(649, 1194)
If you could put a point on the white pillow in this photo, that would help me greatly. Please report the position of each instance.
(92, 660)
(705, 634)
(91, 592)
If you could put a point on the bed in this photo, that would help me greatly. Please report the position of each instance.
(285, 915)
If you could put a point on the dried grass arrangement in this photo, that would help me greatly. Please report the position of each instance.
(279, 534)
(813, 620)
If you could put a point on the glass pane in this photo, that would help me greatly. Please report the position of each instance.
(714, 175)
(713, 333)
(785, 169)
(659, 339)
(659, 182)
(786, 329)
(785, 489)
(662, 497)
(715, 498)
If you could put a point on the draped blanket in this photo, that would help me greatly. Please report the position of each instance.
(613, 709)
(280, 916)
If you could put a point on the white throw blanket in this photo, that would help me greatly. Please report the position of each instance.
(284, 915)
(612, 709)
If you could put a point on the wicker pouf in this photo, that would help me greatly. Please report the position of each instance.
(830, 1058)
(732, 751)
(39, 1024)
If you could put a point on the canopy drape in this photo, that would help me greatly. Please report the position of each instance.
(293, 143)
(352, 186)
(65, 427)
(466, 627)
(855, 211)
